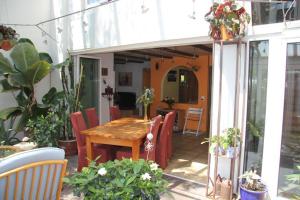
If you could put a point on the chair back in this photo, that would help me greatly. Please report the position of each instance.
(92, 117)
(162, 147)
(34, 174)
(170, 134)
(78, 124)
(114, 112)
(154, 130)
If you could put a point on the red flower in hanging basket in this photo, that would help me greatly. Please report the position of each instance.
(227, 20)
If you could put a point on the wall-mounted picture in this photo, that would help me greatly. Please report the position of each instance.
(172, 75)
(125, 78)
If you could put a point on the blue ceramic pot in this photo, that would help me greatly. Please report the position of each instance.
(252, 195)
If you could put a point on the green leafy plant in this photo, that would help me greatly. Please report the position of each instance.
(294, 178)
(70, 101)
(8, 135)
(230, 138)
(119, 179)
(45, 129)
(213, 141)
(146, 99)
(19, 74)
(252, 181)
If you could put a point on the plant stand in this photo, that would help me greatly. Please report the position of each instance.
(213, 179)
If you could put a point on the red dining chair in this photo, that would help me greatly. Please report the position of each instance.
(162, 147)
(127, 153)
(170, 135)
(92, 117)
(114, 112)
(78, 125)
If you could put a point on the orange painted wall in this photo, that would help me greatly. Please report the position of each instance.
(165, 65)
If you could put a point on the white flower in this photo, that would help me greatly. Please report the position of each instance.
(153, 166)
(102, 171)
(146, 176)
(236, 21)
(227, 9)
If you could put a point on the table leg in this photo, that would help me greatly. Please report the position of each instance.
(89, 150)
(135, 151)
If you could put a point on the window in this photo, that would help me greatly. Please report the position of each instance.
(290, 143)
(181, 84)
(273, 12)
(256, 109)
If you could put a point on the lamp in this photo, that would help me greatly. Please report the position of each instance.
(108, 93)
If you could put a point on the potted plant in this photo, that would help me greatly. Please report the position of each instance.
(119, 179)
(68, 103)
(214, 141)
(170, 101)
(8, 37)
(230, 141)
(146, 99)
(45, 130)
(252, 187)
(227, 20)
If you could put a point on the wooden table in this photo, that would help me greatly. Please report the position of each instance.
(128, 132)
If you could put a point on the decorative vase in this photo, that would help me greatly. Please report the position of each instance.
(253, 195)
(145, 112)
(232, 152)
(224, 34)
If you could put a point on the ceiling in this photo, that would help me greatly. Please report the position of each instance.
(141, 56)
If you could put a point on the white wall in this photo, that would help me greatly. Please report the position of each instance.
(137, 78)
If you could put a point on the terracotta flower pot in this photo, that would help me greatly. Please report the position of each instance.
(70, 147)
(6, 45)
(224, 34)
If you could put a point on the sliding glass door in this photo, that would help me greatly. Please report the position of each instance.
(89, 94)
(289, 169)
(256, 108)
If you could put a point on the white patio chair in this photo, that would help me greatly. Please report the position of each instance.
(35, 174)
(193, 114)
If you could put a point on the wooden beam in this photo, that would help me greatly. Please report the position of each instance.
(203, 47)
(124, 61)
(123, 56)
(177, 52)
(150, 54)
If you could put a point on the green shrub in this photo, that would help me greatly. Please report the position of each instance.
(45, 130)
(125, 179)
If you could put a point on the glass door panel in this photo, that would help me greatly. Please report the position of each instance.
(89, 94)
(256, 108)
(290, 143)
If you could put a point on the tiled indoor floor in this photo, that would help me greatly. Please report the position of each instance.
(189, 160)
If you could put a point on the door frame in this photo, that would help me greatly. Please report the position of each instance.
(77, 74)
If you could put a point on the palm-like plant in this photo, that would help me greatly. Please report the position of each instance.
(19, 74)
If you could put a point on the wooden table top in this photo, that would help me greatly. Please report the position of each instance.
(124, 128)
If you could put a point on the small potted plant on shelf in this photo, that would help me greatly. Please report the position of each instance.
(214, 142)
(230, 141)
(146, 99)
(119, 179)
(227, 20)
(252, 187)
(170, 101)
